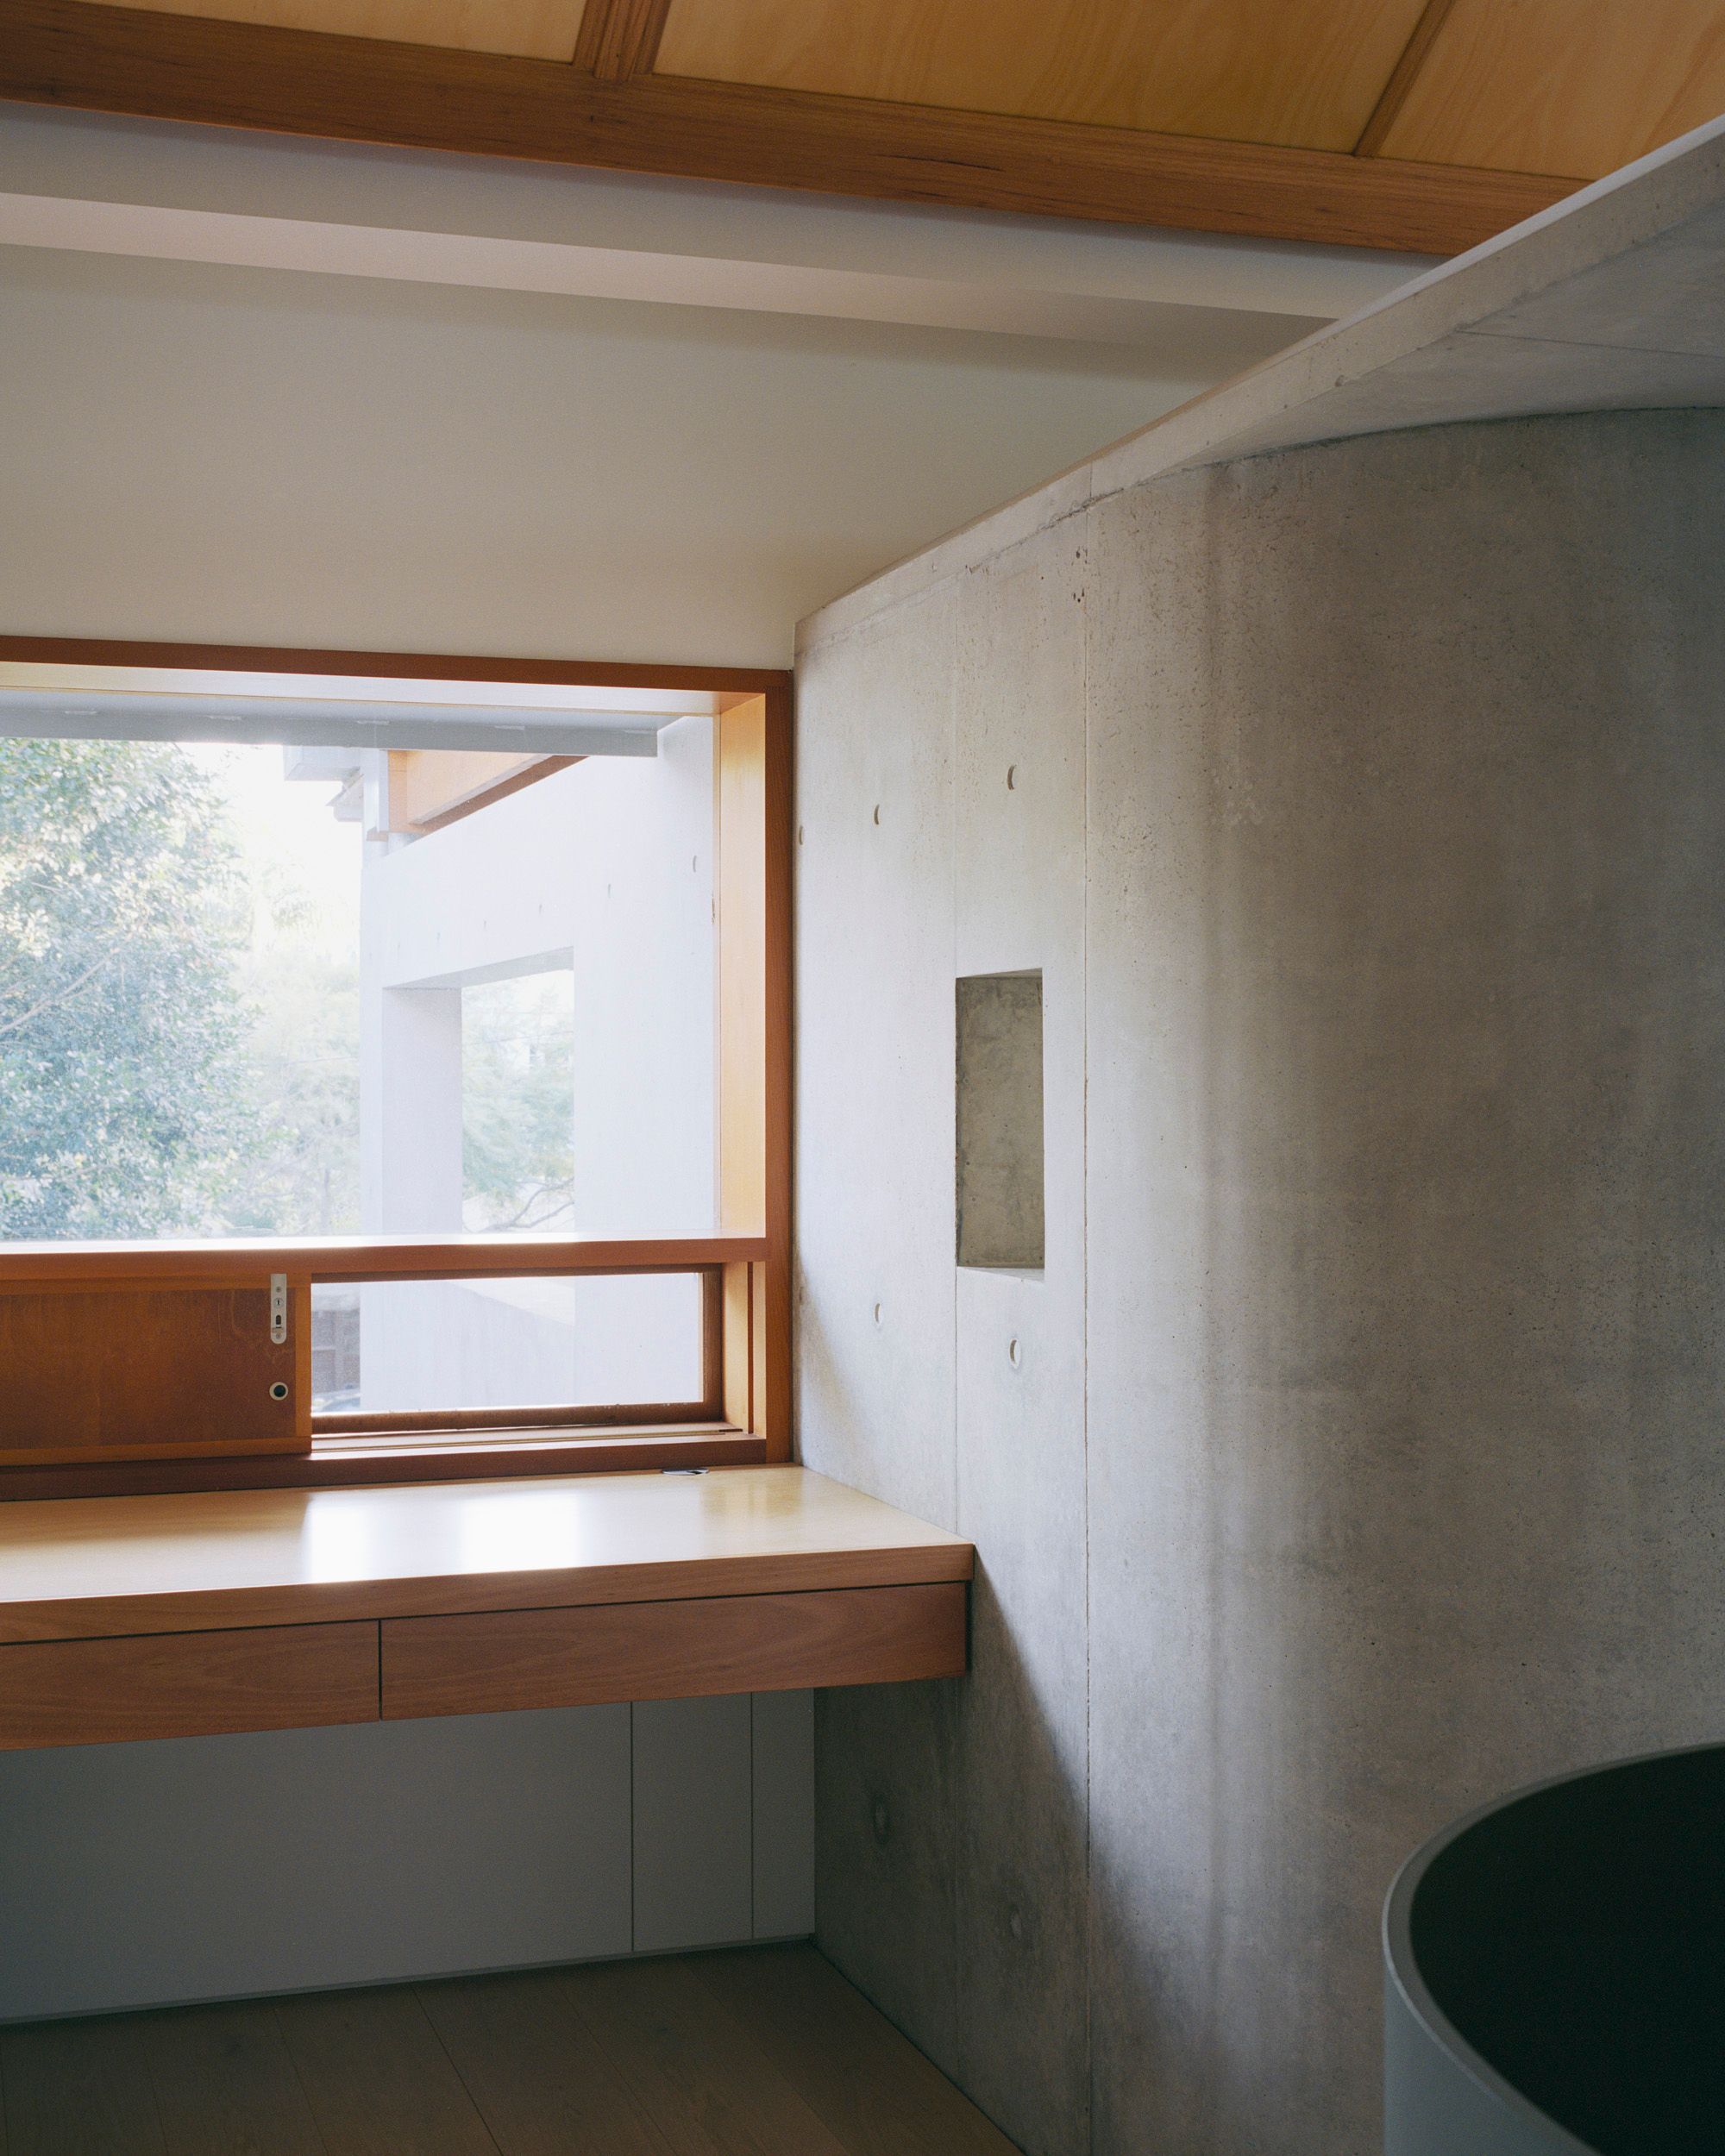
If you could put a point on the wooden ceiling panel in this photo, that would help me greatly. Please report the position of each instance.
(1572, 86)
(1283, 90)
(529, 29)
(1300, 73)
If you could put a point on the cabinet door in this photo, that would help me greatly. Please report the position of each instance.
(95, 1373)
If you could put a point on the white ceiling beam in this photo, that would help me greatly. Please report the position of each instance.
(87, 183)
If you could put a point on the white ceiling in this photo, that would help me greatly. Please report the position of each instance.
(257, 390)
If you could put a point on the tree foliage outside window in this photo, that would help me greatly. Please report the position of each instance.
(179, 1019)
(148, 1086)
(303, 1068)
(122, 1025)
(518, 1104)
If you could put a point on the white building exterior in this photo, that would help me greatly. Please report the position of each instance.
(602, 872)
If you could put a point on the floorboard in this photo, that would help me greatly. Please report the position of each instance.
(705, 2084)
(376, 2080)
(761, 2051)
(225, 2085)
(535, 2074)
(871, 2086)
(79, 2089)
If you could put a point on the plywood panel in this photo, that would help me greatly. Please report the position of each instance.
(532, 29)
(619, 38)
(116, 1691)
(1306, 74)
(1554, 86)
(296, 82)
(499, 1661)
(151, 1373)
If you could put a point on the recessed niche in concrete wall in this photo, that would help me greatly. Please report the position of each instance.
(999, 1120)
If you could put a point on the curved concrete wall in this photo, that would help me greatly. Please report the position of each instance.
(1361, 1452)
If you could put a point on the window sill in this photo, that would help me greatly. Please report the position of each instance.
(375, 1459)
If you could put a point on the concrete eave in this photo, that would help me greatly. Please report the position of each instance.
(1612, 300)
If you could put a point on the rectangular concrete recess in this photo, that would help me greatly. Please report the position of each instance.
(999, 1145)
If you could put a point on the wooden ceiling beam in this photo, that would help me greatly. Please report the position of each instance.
(68, 52)
(620, 38)
(1402, 76)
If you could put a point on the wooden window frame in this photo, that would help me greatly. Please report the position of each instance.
(743, 1416)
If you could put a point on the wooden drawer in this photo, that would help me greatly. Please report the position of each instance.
(186, 1684)
(674, 1649)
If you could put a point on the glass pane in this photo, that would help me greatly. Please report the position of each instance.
(518, 1104)
(247, 990)
(179, 1003)
(394, 1347)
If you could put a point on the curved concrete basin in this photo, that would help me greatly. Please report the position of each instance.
(1555, 1970)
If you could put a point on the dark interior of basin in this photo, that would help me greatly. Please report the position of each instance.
(1576, 1939)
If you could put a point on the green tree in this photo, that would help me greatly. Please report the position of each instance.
(518, 1104)
(302, 1176)
(123, 1027)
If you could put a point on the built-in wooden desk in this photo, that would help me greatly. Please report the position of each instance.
(132, 1617)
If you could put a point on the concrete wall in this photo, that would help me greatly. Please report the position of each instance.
(1358, 1457)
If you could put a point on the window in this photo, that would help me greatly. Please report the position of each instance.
(392, 1064)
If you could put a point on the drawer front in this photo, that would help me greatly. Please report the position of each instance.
(186, 1684)
(677, 1649)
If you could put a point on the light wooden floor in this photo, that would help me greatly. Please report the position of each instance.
(765, 2051)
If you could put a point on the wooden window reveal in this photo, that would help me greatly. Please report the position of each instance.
(152, 1365)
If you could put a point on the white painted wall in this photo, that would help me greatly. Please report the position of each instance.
(244, 455)
(479, 406)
